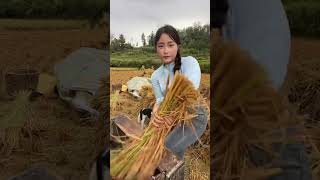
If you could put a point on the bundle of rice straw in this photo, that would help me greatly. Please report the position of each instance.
(115, 101)
(246, 112)
(140, 158)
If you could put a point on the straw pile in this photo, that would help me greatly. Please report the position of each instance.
(139, 159)
(305, 87)
(17, 122)
(148, 99)
(199, 170)
(305, 94)
(246, 110)
(115, 101)
(101, 103)
(197, 161)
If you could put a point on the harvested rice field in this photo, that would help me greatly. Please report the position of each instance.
(62, 141)
(41, 49)
(303, 90)
(64, 145)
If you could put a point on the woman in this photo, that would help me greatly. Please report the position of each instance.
(260, 27)
(167, 44)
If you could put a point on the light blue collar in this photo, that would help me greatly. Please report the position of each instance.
(167, 71)
(169, 66)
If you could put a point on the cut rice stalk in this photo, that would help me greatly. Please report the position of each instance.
(150, 150)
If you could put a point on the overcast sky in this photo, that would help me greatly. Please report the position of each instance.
(133, 17)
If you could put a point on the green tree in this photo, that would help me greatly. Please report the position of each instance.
(122, 41)
(151, 39)
(119, 44)
(195, 36)
(143, 38)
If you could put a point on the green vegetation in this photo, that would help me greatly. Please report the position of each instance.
(194, 39)
(304, 17)
(90, 10)
(136, 57)
(52, 8)
(41, 24)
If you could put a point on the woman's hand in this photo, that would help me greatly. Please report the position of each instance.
(157, 120)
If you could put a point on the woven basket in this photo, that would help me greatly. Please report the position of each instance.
(21, 79)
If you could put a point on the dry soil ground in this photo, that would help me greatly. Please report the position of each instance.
(66, 146)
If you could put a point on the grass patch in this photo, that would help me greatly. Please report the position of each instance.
(123, 69)
(135, 58)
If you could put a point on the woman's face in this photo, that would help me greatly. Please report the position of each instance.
(167, 49)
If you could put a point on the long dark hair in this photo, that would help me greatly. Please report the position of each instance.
(174, 35)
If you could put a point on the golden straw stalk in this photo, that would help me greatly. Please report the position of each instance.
(140, 158)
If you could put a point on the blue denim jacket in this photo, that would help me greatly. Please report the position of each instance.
(189, 67)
